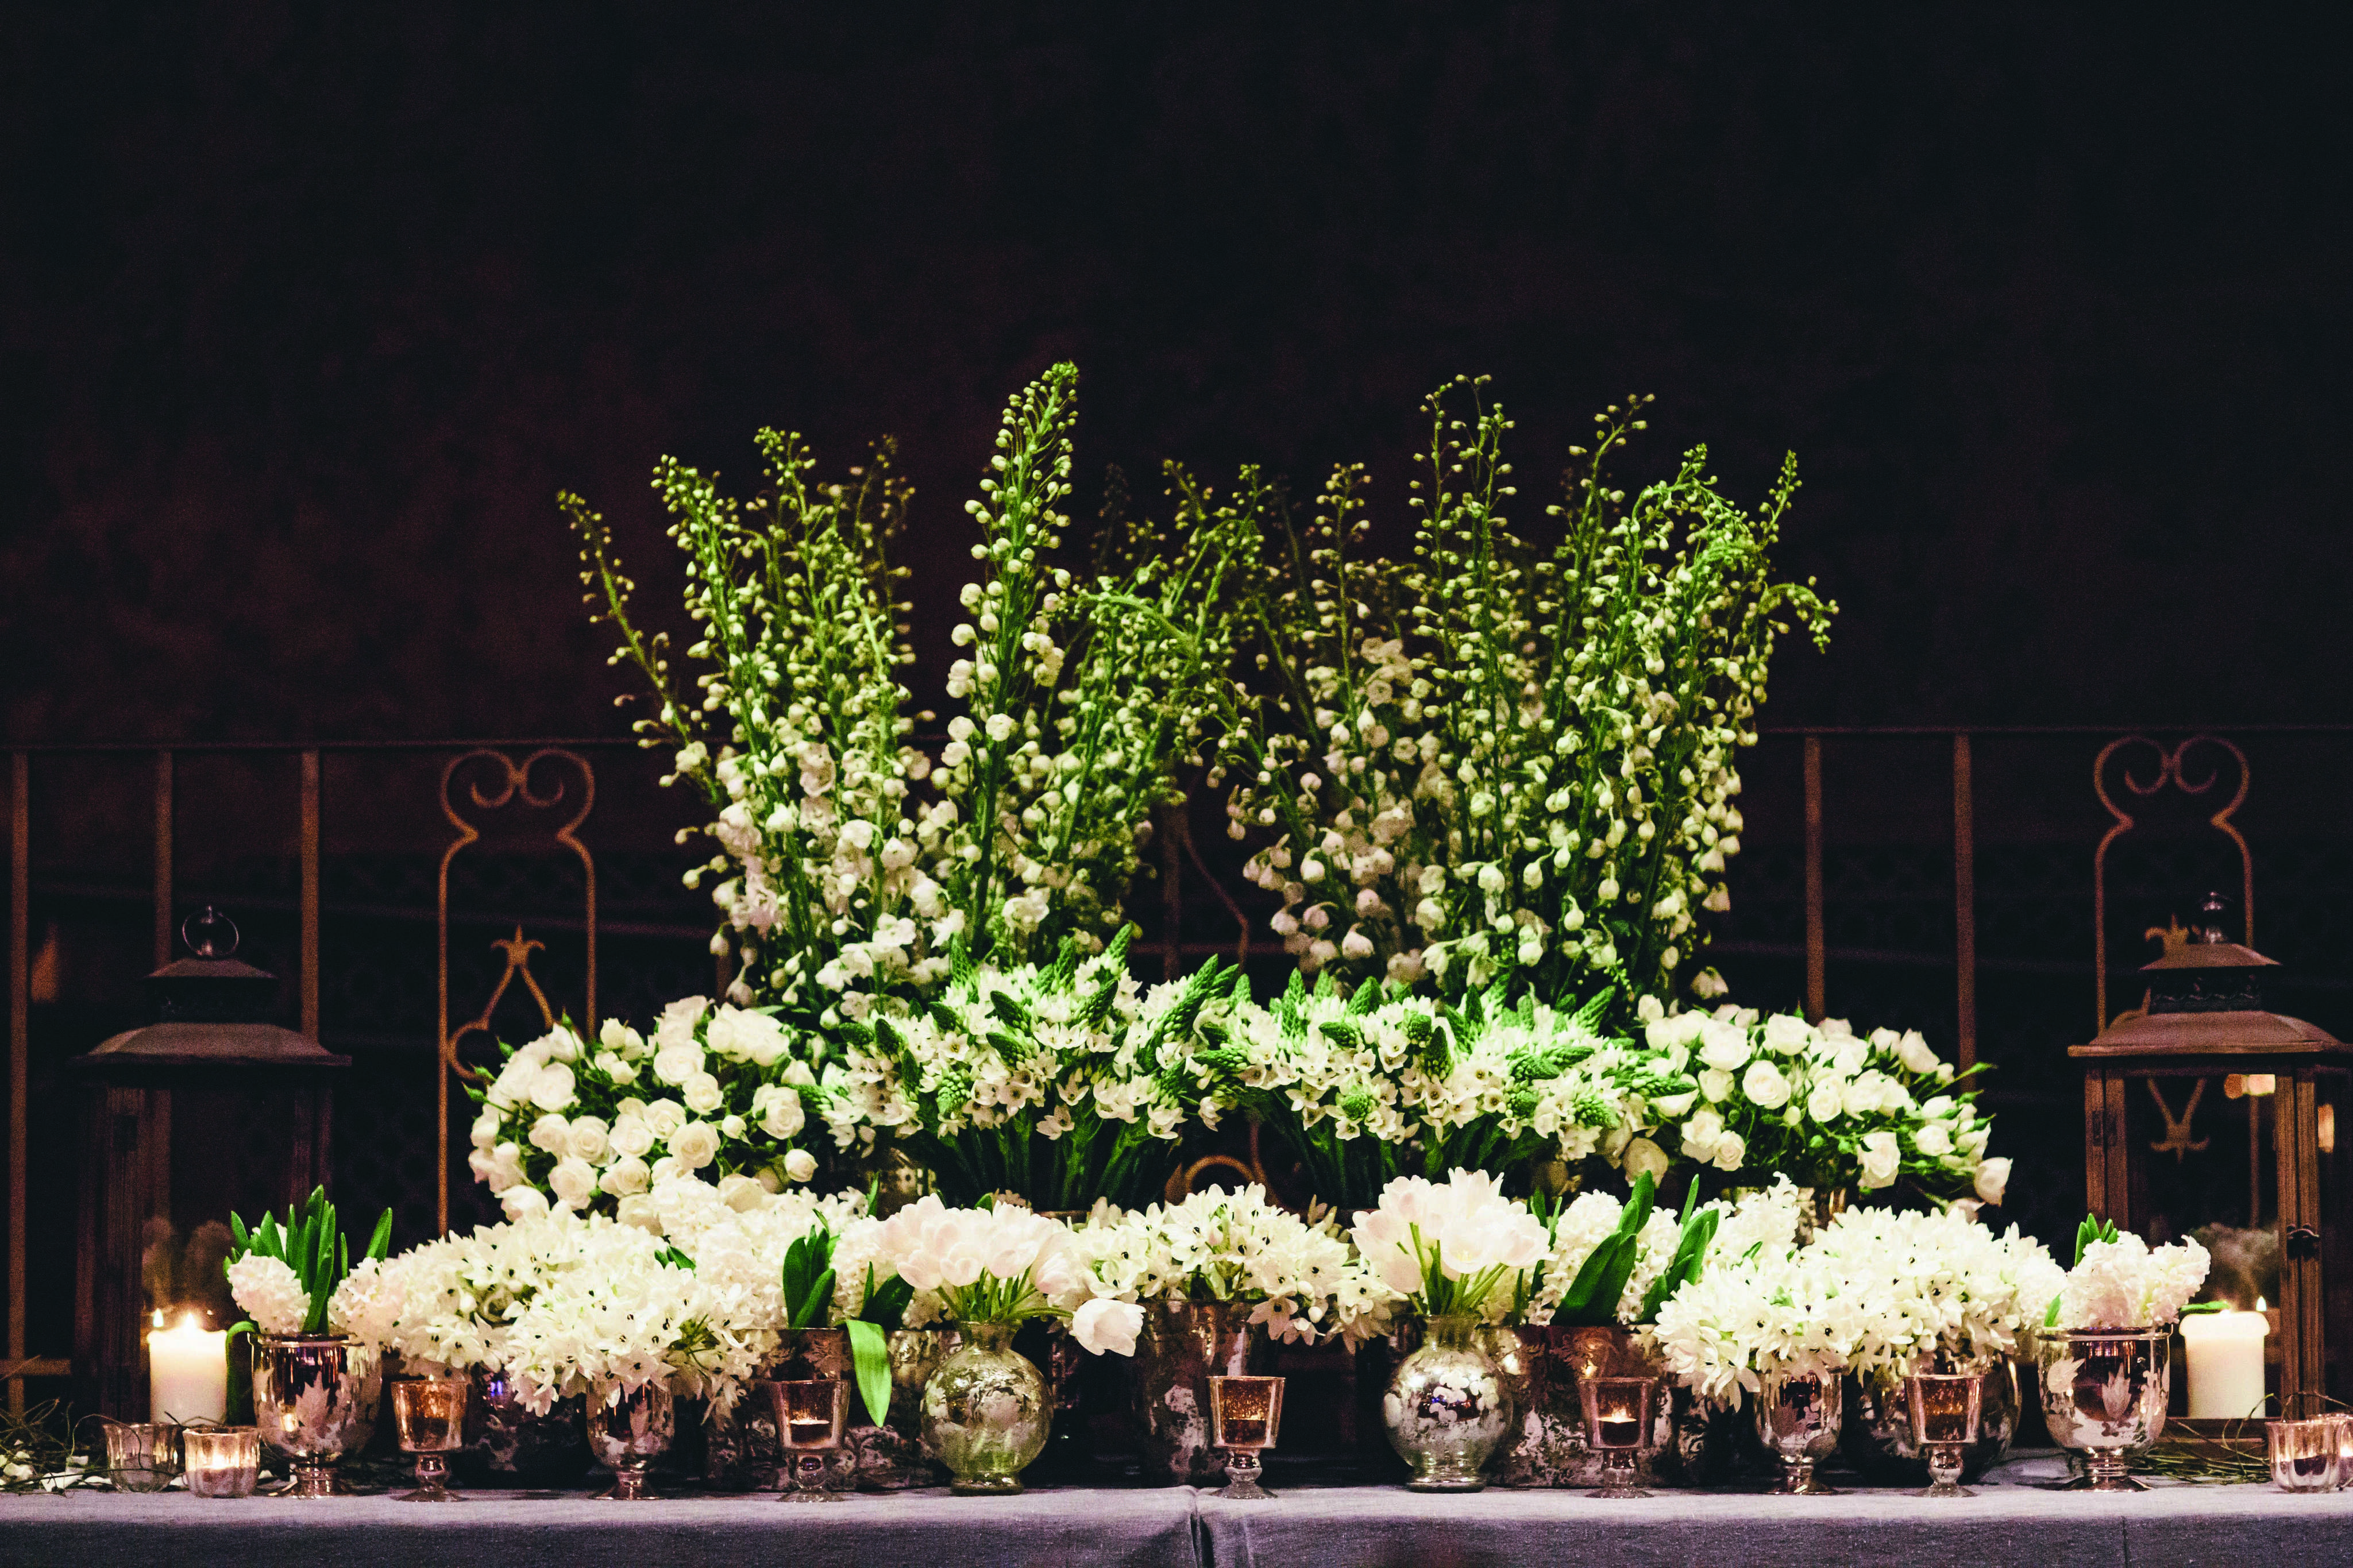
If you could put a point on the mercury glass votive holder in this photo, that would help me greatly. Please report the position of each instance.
(430, 1416)
(1617, 1427)
(1245, 1414)
(1946, 1409)
(809, 1414)
(221, 1461)
(140, 1456)
(2304, 1454)
(2344, 1449)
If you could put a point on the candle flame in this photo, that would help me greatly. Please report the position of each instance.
(159, 1316)
(188, 1323)
(2259, 1305)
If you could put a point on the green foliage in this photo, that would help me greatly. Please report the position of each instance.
(313, 1245)
(808, 1282)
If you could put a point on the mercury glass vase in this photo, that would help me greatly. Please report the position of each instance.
(2104, 1394)
(986, 1412)
(1542, 1370)
(1447, 1408)
(1798, 1417)
(313, 1399)
(628, 1430)
(1876, 1430)
(1181, 1346)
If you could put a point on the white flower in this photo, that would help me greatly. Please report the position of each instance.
(1102, 1324)
(550, 1132)
(270, 1292)
(1932, 1141)
(631, 1138)
(520, 1202)
(573, 1181)
(1914, 1052)
(624, 1176)
(1724, 1046)
(589, 1139)
(1882, 1158)
(701, 1093)
(665, 1117)
(694, 1145)
(799, 1165)
(1993, 1179)
(551, 1089)
(1644, 1157)
(2126, 1284)
(674, 1063)
(1730, 1152)
(1765, 1086)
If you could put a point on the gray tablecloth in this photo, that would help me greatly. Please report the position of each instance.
(1305, 1526)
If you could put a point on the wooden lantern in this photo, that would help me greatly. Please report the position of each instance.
(207, 1109)
(2205, 1112)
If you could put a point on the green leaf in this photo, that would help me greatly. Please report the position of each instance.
(381, 1242)
(870, 1356)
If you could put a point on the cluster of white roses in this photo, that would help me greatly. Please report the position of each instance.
(1876, 1292)
(1825, 1105)
(1446, 1246)
(1764, 1220)
(1511, 755)
(1298, 1276)
(2127, 1284)
(571, 1126)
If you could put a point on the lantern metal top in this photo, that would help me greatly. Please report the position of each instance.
(2205, 999)
(210, 1011)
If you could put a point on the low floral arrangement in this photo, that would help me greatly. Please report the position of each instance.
(298, 1279)
(715, 1088)
(1877, 1292)
(2119, 1281)
(1449, 1247)
(1002, 1264)
(1828, 1107)
(1298, 1276)
(1379, 1084)
(1051, 1082)
(1613, 1260)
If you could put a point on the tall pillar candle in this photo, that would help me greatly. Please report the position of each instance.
(2226, 1365)
(187, 1374)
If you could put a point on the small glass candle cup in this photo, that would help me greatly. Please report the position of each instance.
(1946, 1409)
(2304, 1454)
(430, 1415)
(142, 1457)
(1245, 1414)
(2344, 1449)
(221, 1461)
(809, 1415)
(1617, 1427)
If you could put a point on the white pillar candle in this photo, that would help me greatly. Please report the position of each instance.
(2226, 1365)
(187, 1374)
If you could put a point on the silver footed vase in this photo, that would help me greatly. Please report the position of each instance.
(314, 1398)
(1543, 1369)
(1876, 1432)
(1181, 1346)
(628, 1430)
(1447, 1408)
(1797, 1417)
(2104, 1396)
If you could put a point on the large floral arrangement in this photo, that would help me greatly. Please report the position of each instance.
(298, 1277)
(1298, 1276)
(713, 1088)
(1823, 1105)
(1665, 1249)
(848, 860)
(1515, 754)
(1053, 1082)
(1379, 1083)
(1449, 1247)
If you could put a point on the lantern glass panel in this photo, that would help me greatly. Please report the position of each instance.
(2333, 1102)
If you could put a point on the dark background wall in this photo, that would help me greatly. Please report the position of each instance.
(309, 312)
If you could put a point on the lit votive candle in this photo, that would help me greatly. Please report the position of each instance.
(221, 1461)
(2226, 1365)
(187, 1372)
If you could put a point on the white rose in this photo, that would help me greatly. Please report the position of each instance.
(665, 1117)
(1731, 1150)
(1714, 1085)
(1701, 1135)
(1102, 1324)
(676, 1064)
(1765, 1086)
(552, 1091)
(550, 1132)
(616, 1069)
(731, 1127)
(778, 1110)
(1932, 1141)
(1913, 1053)
(694, 1145)
(702, 1094)
(800, 1164)
(1787, 1034)
(1670, 1106)
(620, 1039)
(1993, 1179)
(573, 1182)
(590, 1141)
(522, 1203)
(1881, 1158)
(631, 1138)
(640, 1210)
(1724, 1046)
(626, 1175)
(1643, 1156)
(485, 1133)
(1826, 1100)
